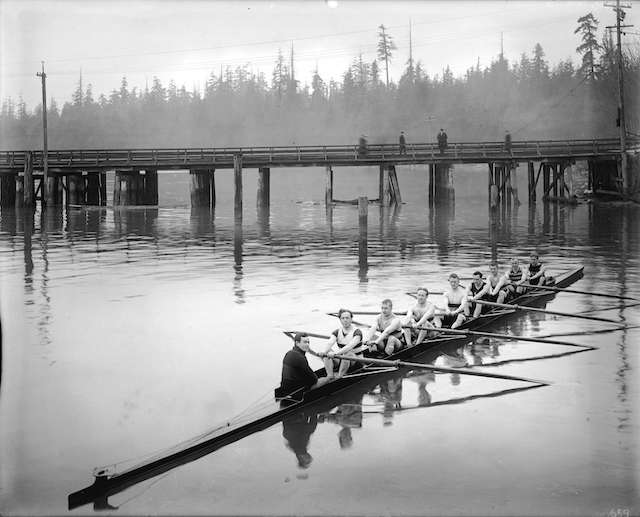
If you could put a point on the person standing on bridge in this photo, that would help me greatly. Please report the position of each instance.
(442, 141)
(402, 143)
(362, 145)
(507, 142)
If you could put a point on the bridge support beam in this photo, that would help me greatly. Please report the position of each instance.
(264, 188)
(237, 180)
(29, 194)
(531, 181)
(150, 187)
(103, 188)
(8, 190)
(441, 184)
(130, 187)
(202, 187)
(92, 188)
(328, 185)
(385, 200)
(75, 189)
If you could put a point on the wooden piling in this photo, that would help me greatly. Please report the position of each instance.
(92, 191)
(545, 180)
(363, 211)
(237, 177)
(8, 190)
(432, 184)
(200, 188)
(531, 182)
(381, 184)
(29, 197)
(385, 200)
(394, 185)
(19, 191)
(75, 190)
(264, 187)
(150, 187)
(328, 185)
(103, 188)
(514, 184)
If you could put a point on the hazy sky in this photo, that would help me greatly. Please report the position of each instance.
(187, 40)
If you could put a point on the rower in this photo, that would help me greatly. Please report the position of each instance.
(297, 375)
(348, 339)
(496, 281)
(387, 331)
(421, 314)
(536, 271)
(456, 298)
(514, 278)
(478, 290)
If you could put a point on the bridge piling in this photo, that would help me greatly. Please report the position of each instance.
(531, 181)
(328, 186)
(150, 187)
(75, 189)
(92, 188)
(264, 188)
(201, 180)
(103, 188)
(8, 190)
(385, 200)
(237, 176)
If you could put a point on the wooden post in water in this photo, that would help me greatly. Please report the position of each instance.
(514, 184)
(92, 192)
(200, 188)
(8, 190)
(380, 182)
(150, 187)
(328, 185)
(264, 187)
(74, 189)
(507, 184)
(545, 180)
(363, 212)
(103, 188)
(569, 177)
(19, 191)
(555, 179)
(386, 187)
(532, 182)
(28, 180)
(117, 188)
(237, 178)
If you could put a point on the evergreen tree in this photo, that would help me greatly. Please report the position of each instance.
(386, 46)
(587, 27)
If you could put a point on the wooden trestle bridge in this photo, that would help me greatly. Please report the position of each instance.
(79, 176)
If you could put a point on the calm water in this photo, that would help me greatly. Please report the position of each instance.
(127, 332)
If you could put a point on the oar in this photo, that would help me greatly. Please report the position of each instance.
(545, 311)
(612, 307)
(405, 364)
(577, 291)
(464, 332)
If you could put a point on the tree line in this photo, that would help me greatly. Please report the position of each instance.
(531, 98)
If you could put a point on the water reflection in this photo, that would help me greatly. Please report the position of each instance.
(238, 291)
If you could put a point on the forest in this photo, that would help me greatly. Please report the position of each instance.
(531, 98)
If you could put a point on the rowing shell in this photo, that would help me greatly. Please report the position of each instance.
(107, 483)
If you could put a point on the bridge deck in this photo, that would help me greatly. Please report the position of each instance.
(68, 160)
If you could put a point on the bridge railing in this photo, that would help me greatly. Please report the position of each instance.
(210, 157)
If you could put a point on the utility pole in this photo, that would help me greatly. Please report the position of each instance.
(621, 117)
(45, 148)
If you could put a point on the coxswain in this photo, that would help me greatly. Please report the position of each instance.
(347, 339)
(420, 316)
(514, 278)
(496, 281)
(385, 336)
(456, 298)
(297, 375)
(478, 290)
(536, 274)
